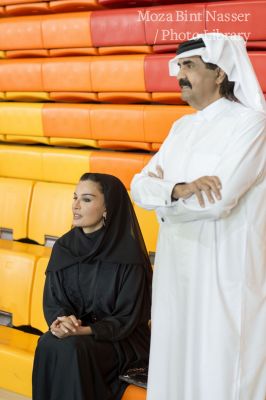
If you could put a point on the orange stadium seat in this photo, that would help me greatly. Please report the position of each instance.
(67, 120)
(73, 51)
(27, 9)
(134, 393)
(50, 212)
(159, 119)
(67, 74)
(21, 33)
(21, 75)
(111, 74)
(122, 165)
(66, 30)
(120, 123)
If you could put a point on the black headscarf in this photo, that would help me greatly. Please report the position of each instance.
(118, 241)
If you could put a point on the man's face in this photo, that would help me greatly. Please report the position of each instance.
(199, 85)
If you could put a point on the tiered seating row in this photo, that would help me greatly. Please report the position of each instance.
(123, 78)
(127, 30)
(96, 125)
(34, 178)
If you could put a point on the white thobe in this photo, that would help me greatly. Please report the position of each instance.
(209, 288)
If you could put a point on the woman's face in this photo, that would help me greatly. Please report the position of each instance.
(88, 206)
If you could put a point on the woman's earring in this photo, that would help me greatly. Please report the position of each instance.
(104, 219)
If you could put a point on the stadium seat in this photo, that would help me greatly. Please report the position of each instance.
(249, 21)
(67, 74)
(159, 119)
(28, 119)
(17, 266)
(66, 30)
(122, 165)
(117, 28)
(50, 212)
(37, 319)
(134, 393)
(21, 33)
(14, 207)
(16, 355)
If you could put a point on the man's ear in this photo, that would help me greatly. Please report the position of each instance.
(220, 76)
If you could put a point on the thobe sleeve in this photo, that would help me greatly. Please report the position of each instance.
(131, 307)
(149, 192)
(241, 167)
(53, 304)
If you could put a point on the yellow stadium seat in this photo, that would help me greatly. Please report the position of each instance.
(37, 319)
(43, 163)
(27, 96)
(149, 227)
(27, 139)
(17, 264)
(21, 119)
(16, 360)
(14, 205)
(50, 212)
(65, 165)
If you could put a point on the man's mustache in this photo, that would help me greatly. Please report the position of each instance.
(184, 82)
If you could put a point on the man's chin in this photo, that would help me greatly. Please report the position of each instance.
(185, 95)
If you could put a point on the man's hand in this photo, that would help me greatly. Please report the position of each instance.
(65, 326)
(210, 185)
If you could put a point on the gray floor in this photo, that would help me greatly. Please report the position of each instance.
(4, 395)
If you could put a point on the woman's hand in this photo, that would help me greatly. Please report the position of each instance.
(66, 326)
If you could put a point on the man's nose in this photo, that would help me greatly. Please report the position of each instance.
(181, 74)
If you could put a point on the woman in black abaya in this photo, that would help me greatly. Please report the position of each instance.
(96, 298)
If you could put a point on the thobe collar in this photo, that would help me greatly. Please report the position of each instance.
(213, 109)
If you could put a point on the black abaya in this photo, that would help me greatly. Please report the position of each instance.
(112, 297)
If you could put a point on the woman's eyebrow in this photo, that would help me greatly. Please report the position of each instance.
(86, 194)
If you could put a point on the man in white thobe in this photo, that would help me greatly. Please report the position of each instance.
(207, 185)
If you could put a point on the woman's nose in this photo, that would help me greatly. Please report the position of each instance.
(76, 204)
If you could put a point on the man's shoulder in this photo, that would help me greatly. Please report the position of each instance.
(240, 112)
